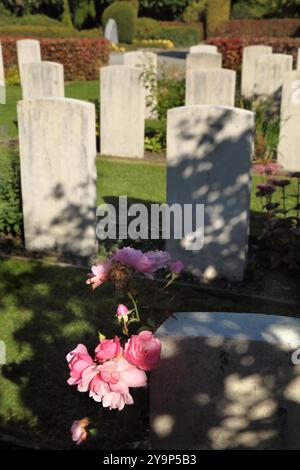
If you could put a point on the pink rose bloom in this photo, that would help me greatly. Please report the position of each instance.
(121, 375)
(136, 260)
(176, 267)
(79, 360)
(160, 258)
(78, 431)
(98, 388)
(108, 349)
(99, 274)
(122, 313)
(143, 350)
(115, 400)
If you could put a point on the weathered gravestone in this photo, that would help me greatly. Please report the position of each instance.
(203, 60)
(250, 54)
(203, 48)
(289, 139)
(28, 50)
(2, 79)
(210, 86)
(58, 174)
(228, 382)
(209, 151)
(122, 111)
(269, 74)
(146, 63)
(111, 31)
(42, 80)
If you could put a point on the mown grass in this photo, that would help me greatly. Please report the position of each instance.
(44, 312)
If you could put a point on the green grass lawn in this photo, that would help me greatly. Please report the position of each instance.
(46, 310)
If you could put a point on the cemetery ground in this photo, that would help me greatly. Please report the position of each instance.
(46, 309)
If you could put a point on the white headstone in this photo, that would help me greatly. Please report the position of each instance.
(58, 174)
(289, 140)
(210, 86)
(229, 381)
(28, 50)
(2, 79)
(203, 60)
(203, 48)
(209, 151)
(250, 54)
(111, 31)
(269, 74)
(42, 80)
(122, 111)
(146, 62)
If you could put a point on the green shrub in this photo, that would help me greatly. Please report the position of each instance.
(12, 76)
(125, 15)
(29, 20)
(183, 35)
(10, 193)
(218, 12)
(194, 11)
(147, 28)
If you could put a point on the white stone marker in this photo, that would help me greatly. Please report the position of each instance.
(203, 60)
(2, 79)
(203, 48)
(146, 63)
(122, 111)
(42, 80)
(111, 31)
(28, 50)
(228, 382)
(250, 54)
(289, 140)
(269, 74)
(209, 150)
(210, 86)
(58, 174)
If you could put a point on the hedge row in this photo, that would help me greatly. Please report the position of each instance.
(81, 57)
(260, 28)
(232, 48)
(48, 32)
(181, 34)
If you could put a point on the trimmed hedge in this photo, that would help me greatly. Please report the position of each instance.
(81, 57)
(48, 32)
(147, 28)
(232, 48)
(125, 15)
(217, 13)
(261, 28)
(182, 34)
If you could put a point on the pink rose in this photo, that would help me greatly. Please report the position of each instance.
(99, 274)
(121, 375)
(176, 267)
(143, 350)
(108, 349)
(122, 313)
(135, 259)
(79, 360)
(78, 431)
